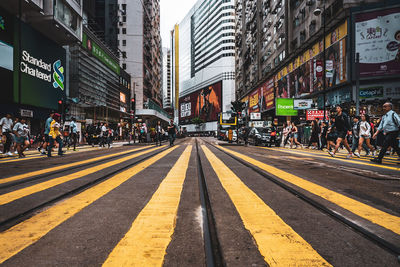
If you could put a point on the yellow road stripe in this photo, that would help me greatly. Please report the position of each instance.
(146, 241)
(32, 156)
(17, 194)
(369, 213)
(386, 160)
(61, 167)
(28, 232)
(335, 158)
(277, 242)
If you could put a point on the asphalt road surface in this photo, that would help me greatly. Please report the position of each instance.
(199, 203)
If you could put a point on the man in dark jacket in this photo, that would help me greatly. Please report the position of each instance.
(342, 124)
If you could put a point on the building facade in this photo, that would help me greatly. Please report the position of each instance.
(166, 79)
(34, 60)
(139, 43)
(203, 65)
(282, 45)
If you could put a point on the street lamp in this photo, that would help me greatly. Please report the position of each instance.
(317, 12)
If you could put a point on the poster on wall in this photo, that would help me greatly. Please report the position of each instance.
(254, 101)
(377, 37)
(268, 95)
(205, 103)
(281, 87)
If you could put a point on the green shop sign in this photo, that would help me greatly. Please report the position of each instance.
(285, 107)
(100, 54)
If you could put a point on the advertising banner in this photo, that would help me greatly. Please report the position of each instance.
(285, 107)
(302, 103)
(254, 101)
(256, 116)
(205, 103)
(316, 114)
(268, 95)
(100, 54)
(377, 36)
(371, 92)
(42, 66)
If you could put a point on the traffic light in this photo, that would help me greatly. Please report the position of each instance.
(67, 108)
(60, 106)
(133, 105)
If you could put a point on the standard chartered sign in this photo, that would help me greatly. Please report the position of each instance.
(38, 68)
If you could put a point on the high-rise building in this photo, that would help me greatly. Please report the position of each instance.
(139, 43)
(166, 79)
(203, 64)
(283, 47)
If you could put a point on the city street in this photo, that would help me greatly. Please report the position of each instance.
(201, 202)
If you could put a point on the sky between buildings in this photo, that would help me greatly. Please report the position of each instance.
(172, 12)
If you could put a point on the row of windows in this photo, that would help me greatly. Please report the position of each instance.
(215, 59)
(205, 11)
(214, 22)
(232, 41)
(201, 24)
(207, 36)
(213, 54)
(198, 56)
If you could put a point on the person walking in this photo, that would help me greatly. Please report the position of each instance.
(55, 135)
(365, 135)
(355, 133)
(389, 126)
(294, 136)
(285, 133)
(6, 127)
(314, 139)
(46, 133)
(342, 125)
(171, 132)
(323, 135)
(159, 133)
(73, 128)
(21, 131)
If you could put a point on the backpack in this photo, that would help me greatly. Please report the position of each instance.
(396, 123)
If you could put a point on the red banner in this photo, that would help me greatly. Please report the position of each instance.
(319, 69)
(316, 114)
(254, 101)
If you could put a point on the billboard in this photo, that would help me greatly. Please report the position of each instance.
(205, 103)
(285, 107)
(42, 66)
(254, 101)
(268, 95)
(377, 37)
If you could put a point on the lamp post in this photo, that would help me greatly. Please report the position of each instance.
(317, 12)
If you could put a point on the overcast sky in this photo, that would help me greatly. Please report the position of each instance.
(172, 12)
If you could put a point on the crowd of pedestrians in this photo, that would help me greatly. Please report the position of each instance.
(16, 136)
(340, 131)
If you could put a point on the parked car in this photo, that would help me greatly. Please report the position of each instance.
(266, 136)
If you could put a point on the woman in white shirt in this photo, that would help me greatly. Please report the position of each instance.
(365, 135)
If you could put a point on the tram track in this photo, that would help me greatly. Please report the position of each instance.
(366, 233)
(23, 215)
(211, 244)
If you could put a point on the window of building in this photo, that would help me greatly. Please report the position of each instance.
(123, 54)
(123, 18)
(124, 7)
(123, 30)
(124, 66)
(123, 42)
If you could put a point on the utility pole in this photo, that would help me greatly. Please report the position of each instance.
(357, 72)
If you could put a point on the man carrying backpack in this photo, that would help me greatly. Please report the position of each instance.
(390, 126)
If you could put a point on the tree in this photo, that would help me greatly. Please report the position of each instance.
(197, 121)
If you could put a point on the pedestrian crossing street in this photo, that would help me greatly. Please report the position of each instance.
(145, 241)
